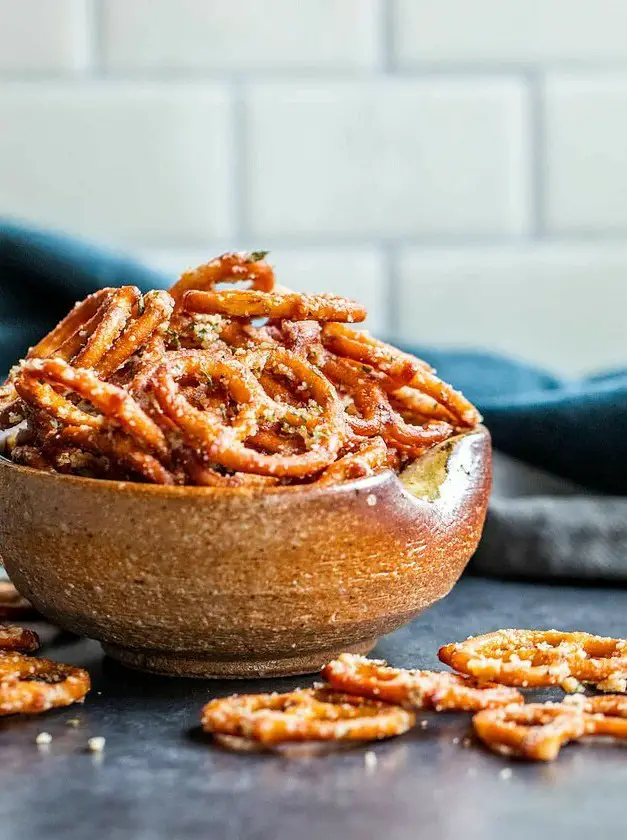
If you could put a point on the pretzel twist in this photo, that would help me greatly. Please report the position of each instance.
(315, 714)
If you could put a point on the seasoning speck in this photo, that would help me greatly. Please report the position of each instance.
(43, 738)
(424, 724)
(96, 744)
(73, 722)
(371, 500)
(505, 773)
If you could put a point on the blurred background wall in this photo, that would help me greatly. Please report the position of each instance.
(459, 165)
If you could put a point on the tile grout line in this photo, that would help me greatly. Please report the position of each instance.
(93, 33)
(537, 151)
(386, 36)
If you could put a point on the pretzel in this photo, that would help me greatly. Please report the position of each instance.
(116, 446)
(118, 308)
(294, 306)
(376, 413)
(415, 689)
(83, 336)
(31, 686)
(537, 658)
(400, 368)
(35, 385)
(225, 443)
(538, 730)
(228, 268)
(13, 605)
(74, 327)
(186, 388)
(157, 308)
(10, 408)
(30, 456)
(203, 475)
(17, 638)
(535, 731)
(314, 714)
(369, 458)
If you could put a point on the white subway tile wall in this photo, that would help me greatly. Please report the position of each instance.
(460, 167)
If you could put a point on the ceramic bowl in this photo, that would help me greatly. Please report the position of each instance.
(237, 583)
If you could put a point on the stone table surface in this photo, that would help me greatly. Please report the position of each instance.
(159, 777)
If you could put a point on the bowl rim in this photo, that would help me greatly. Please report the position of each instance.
(165, 490)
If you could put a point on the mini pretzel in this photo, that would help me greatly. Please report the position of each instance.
(538, 730)
(377, 415)
(31, 686)
(116, 446)
(84, 336)
(401, 368)
(415, 689)
(118, 308)
(156, 311)
(228, 268)
(203, 475)
(13, 605)
(536, 658)
(314, 714)
(369, 458)
(293, 306)
(74, 327)
(17, 638)
(35, 385)
(225, 443)
(189, 388)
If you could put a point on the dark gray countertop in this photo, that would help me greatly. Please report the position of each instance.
(159, 777)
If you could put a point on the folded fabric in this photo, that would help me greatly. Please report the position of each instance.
(574, 429)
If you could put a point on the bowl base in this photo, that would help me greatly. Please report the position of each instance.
(204, 667)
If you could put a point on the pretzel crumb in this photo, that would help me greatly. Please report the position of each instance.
(96, 744)
(370, 761)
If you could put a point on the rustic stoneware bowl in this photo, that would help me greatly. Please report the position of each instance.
(237, 583)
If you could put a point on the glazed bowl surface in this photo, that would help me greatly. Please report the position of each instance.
(237, 583)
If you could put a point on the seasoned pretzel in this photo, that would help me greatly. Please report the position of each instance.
(314, 714)
(415, 689)
(293, 306)
(10, 408)
(14, 605)
(301, 337)
(203, 475)
(116, 446)
(229, 268)
(35, 385)
(376, 413)
(536, 658)
(30, 456)
(72, 327)
(156, 312)
(538, 730)
(400, 368)
(92, 336)
(535, 731)
(31, 686)
(225, 443)
(118, 308)
(17, 638)
(118, 389)
(369, 458)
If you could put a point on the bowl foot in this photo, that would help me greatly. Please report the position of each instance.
(180, 665)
